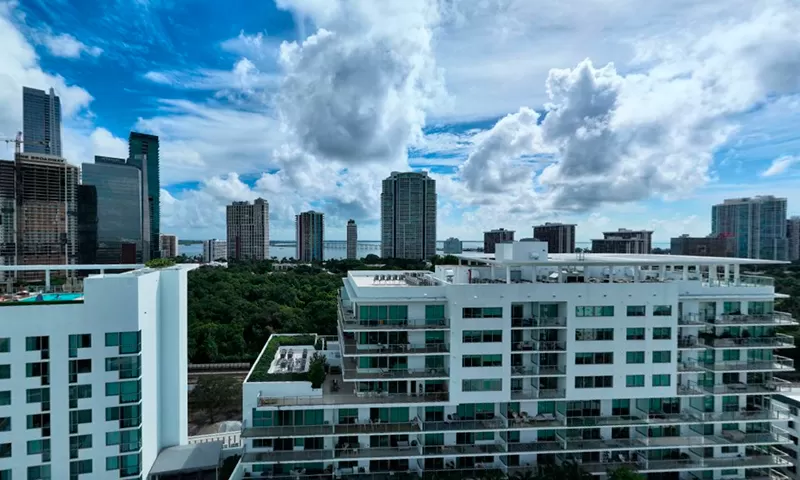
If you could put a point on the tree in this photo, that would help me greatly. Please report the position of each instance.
(624, 473)
(160, 263)
(214, 394)
(317, 370)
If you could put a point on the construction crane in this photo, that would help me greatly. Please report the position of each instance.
(19, 142)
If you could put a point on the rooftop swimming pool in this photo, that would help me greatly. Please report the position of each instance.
(53, 297)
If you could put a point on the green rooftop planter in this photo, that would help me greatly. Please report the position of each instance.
(259, 373)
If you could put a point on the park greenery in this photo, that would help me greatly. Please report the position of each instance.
(233, 311)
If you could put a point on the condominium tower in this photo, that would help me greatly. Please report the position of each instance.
(624, 241)
(93, 382)
(143, 154)
(38, 197)
(248, 230)
(310, 236)
(793, 237)
(452, 245)
(408, 216)
(215, 250)
(493, 237)
(169, 245)
(560, 237)
(352, 240)
(41, 121)
(488, 368)
(757, 223)
(118, 187)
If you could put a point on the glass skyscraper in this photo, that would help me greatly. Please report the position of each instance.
(143, 154)
(41, 121)
(408, 216)
(118, 186)
(757, 224)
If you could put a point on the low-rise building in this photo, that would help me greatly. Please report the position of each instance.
(452, 246)
(214, 250)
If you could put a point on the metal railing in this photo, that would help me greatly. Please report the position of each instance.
(779, 340)
(351, 323)
(351, 348)
(538, 393)
(350, 373)
(495, 423)
(777, 363)
(539, 322)
(356, 398)
(773, 318)
(537, 370)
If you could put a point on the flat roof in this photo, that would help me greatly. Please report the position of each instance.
(603, 259)
(187, 458)
(28, 268)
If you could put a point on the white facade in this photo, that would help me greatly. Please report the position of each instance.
(214, 250)
(789, 404)
(95, 385)
(664, 364)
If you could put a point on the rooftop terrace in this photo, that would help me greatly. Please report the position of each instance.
(275, 364)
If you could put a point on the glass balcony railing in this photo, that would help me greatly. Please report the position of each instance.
(778, 363)
(539, 322)
(351, 348)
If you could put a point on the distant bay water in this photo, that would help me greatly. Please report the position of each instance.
(336, 249)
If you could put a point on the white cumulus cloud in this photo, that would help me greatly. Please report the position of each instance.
(780, 165)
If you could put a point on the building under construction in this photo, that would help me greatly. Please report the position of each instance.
(38, 212)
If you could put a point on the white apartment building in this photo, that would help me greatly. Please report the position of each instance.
(664, 364)
(789, 403)
(214, 250)
(93, 384)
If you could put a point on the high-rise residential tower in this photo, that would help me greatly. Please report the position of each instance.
(758, 225)
(624, 241)
(118, 187)
(452, 245)
(560, 237)
(352, 240)
(41, 121)
(169, 245)
(408, 216)
(93, 379)
(793, 236)
(248, 230)
(143, 153)
(215, 250)
(38, 195)
(310, 236)
(493, 237)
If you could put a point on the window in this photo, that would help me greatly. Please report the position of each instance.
(602, 311)
(33, 344)
(78, 442)
(77, 417)
(635, 334)
(79, 467)
(39, 395)
(77, 367)
(39, 472)
(662, 356)
(39, 420)
(5, 424)
(128, 342)
(128, 367)
(662, 333)
(79, 341)
(39, 369)
(482, 312)
(634, 357)
(662, 310)
(36, 447)
(5, 345)
(634, 381)
(620, 407)
(5, 397)
(482, 361)
(5, 372)
(597, 358)
(482, 385)
(77, 392)
(587, 334)
(730, 449)
(5, 450)
(635, 310)
(661, 380)
(482, 336)
(131, 391)
(594, 382)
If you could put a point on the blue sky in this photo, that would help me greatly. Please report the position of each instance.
(596, 113)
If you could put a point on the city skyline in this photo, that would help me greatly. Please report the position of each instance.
(214, 117)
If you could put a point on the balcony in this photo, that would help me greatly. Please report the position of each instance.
(345, 452)
(690, 366)
(539, 346)
(774, 318)
(377, 374)
(452, 450)
(778, 363)
(449, 425)
(350, 323)
(538, 371)
(358, 428)
(780, 340)
(541, 393)
(750, 461)
(351, 348)
(771, 386)
(689, 342)
(539, 322)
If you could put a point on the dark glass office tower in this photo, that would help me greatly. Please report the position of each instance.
(87, 224)
(118, 186)
(41, 121)
(143, 154)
